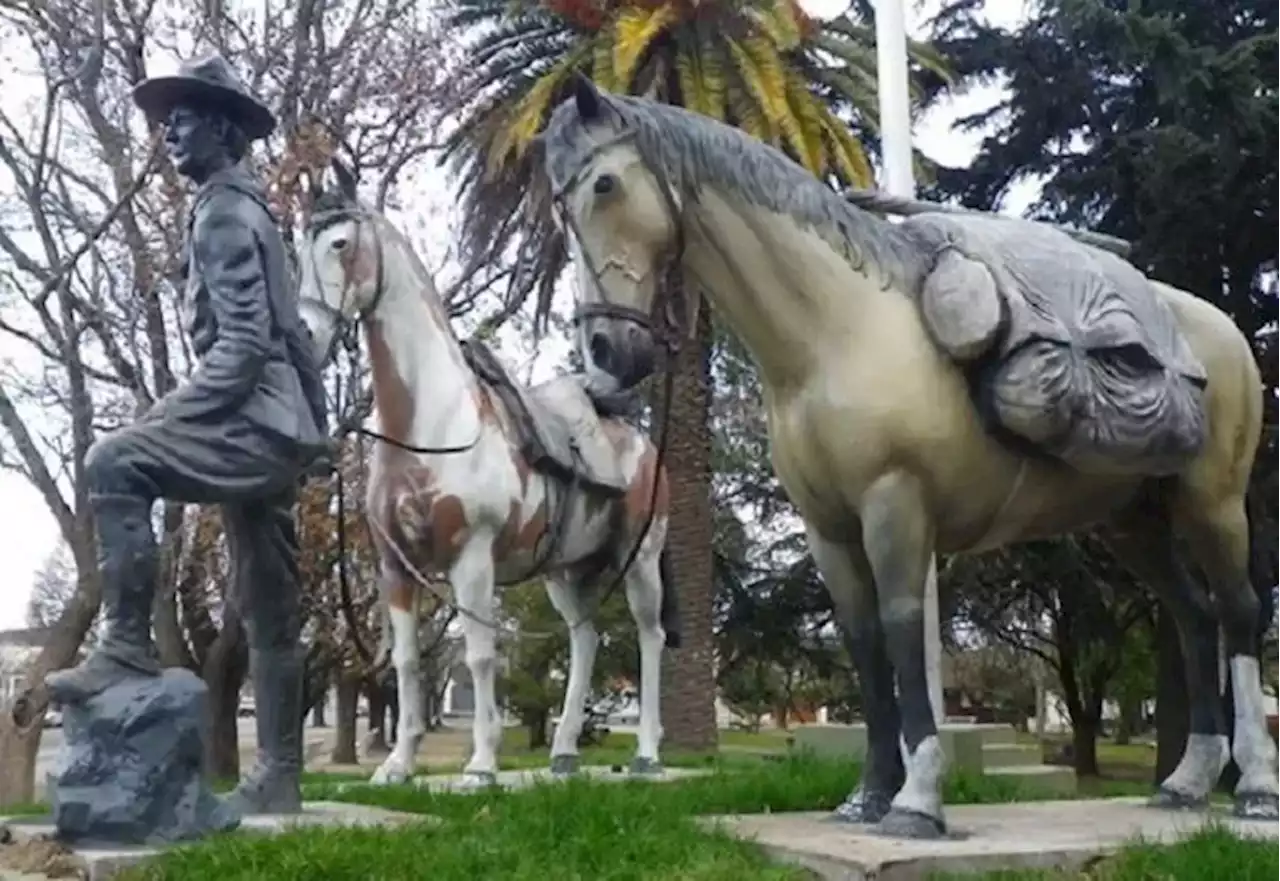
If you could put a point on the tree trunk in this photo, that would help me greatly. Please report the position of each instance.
(18, 749)
(688, 673)
(1084, 744)
(1173, 712)
(1128, 722)
(377, 718)
(317, 714)
(344, 740)
(536, 724)
(430, 705)
(223, 673)
(222, 743)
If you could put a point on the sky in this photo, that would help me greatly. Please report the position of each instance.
(28, 533)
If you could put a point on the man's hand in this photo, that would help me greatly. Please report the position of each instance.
(324, 463)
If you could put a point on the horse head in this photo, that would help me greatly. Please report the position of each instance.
(341, 261)
(621, 220)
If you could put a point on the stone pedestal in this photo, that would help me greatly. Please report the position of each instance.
(132, 768)
(1056, 835)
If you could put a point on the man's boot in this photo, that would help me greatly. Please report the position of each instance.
(273, 786)
(127, 565)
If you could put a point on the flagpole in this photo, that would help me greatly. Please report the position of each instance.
(899, 180)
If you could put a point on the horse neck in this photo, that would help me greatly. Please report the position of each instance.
(424, 392)
(784, 290)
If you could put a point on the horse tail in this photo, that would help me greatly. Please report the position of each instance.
(669, 613)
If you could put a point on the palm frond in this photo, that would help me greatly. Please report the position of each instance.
(634, 30)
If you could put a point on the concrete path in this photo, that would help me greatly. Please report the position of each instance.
(1056, 834)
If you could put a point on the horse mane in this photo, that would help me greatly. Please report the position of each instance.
(694, 151)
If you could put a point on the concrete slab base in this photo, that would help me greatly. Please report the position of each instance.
(101, 861)
(533, 776)
(984, 838)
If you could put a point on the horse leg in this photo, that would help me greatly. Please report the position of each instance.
(849, 582)
(472, 579)
(567, 597)
(644, 596)
(898, 539)
(398, 767)
(1145, 546)
(1219, 540)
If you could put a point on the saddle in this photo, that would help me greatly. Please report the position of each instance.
(558, 427)
(1068, 349)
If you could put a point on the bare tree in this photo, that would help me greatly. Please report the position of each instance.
(52, 588)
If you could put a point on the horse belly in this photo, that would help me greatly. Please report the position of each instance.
(542, 545)
(832, 443)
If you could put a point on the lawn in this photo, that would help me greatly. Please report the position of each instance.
(585, 830)
(1208, 855)
(638, 832)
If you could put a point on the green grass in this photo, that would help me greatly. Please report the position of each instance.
(616, 749)
(580, 829)
(1210, 854)
(27, 809)
(574, 830)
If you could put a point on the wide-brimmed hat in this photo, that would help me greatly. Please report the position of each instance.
(208, 80)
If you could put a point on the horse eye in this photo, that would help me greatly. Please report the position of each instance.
(605, 184)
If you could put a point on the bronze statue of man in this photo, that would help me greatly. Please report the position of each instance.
(239, 433)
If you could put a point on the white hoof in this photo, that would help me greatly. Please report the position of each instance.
(475, 780)
(389, 774)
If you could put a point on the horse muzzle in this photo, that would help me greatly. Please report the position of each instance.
(623, 349)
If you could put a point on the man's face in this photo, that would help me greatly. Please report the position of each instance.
(193, 142)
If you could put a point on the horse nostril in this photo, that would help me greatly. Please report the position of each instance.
(601, 352)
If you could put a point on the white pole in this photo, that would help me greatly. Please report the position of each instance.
(895, 134)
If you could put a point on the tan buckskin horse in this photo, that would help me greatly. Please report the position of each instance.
(455, 495)
(874, 432)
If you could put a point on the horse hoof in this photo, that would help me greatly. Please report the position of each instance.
(645, 767)
(900, 823)
(1172, 800)
(388, 777)
(564, 765)
(862, 810)
(1257, 806)
(479, 779)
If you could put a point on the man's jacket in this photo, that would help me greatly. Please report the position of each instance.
(257, 362)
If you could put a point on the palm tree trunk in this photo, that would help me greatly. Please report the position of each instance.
(688, 674)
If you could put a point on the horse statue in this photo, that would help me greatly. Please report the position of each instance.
(480, 482)
(947, 384)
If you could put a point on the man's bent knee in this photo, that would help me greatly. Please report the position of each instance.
(107, 470)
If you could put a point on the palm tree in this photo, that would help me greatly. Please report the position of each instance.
(806, 86)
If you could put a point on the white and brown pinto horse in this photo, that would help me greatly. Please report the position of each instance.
(452, 497)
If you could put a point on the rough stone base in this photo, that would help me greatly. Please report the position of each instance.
(132, 769)
(99, 862)
(984, 838)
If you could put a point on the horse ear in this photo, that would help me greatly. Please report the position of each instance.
(346, 180)
(315, 183)
(587, 97)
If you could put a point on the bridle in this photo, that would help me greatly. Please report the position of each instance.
(666, 332)
(346, 327)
